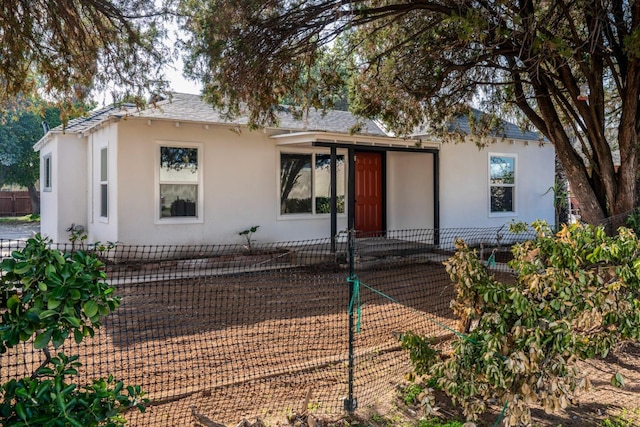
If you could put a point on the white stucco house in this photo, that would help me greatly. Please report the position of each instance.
(180, 173)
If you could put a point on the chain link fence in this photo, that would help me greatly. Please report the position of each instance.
(232, 332)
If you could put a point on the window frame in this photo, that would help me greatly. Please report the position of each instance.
(314, 186)
(104, 183)
(514, 186)
(47, 184)
(199, 183)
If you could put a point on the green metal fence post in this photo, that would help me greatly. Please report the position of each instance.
(350, 403)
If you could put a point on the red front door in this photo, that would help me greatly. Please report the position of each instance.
(368, 214)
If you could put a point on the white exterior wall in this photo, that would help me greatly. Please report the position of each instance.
(102, 229)
(65, 203)
(464, 184)
(409, 191)
(240, 178)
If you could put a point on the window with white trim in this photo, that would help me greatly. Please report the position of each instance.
(179, 181)
(46, 172)
(104, 184)
(502, 183)
(305, 183)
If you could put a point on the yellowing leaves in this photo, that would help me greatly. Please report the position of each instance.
(576, 297)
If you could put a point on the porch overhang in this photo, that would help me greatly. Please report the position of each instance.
(371, 142)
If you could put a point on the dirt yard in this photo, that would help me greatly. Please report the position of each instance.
(257, 344)
(604, 405)
(273, 344)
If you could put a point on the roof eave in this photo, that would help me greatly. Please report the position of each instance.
(307, 137)
(492, 138)
(46, 138)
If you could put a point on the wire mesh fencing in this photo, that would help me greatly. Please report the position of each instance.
(231, 332)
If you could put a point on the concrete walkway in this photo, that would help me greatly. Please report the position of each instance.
(18, 231)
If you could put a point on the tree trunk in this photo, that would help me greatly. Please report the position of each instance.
(582, 187)
(35, 199)
(561, 197)
(625, 177)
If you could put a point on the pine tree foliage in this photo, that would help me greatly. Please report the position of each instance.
(69, 49)
(569, 69)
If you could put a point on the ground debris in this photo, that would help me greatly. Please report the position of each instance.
(246, 423)
(203, 420)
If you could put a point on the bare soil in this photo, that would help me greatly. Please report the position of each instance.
(274, 345)
(603, 405)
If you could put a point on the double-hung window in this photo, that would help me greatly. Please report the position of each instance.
(502, 183)
(179, 181)
(305, 183)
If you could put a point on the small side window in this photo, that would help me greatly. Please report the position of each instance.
(104, 184)
(46, 173)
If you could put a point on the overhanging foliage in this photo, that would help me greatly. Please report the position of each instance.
(571, 69)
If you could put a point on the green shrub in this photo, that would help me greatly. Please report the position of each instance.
(49, 296)
(410, 394)
(577, 296)
(633, 220)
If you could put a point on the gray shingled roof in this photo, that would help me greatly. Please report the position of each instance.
(95, 117)
(191, 108)
(505, 130)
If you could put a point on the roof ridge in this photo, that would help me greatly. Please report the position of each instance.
(193, 108)
(92, 115)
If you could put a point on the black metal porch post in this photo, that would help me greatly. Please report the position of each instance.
(436, 197)
(334, 200)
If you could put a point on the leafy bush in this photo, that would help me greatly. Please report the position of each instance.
(576, 297)
(48, 296)
(51, 295)
(410, 394)
(633, 220)
(48, 400)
